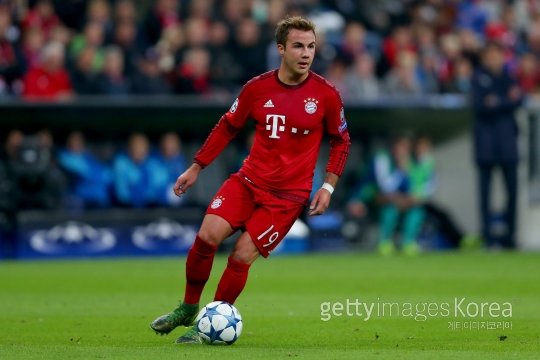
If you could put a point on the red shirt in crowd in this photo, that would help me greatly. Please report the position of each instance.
(40, 83)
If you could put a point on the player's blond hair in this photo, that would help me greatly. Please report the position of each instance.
(292, 22)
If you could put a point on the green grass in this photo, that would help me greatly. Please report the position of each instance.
(101, 309)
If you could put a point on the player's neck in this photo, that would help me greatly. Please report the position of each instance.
(289, 78)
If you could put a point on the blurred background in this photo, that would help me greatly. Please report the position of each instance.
(103, 104)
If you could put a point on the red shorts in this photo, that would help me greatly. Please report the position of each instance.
(266, 217)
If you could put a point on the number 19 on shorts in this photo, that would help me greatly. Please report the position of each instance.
(271, 238)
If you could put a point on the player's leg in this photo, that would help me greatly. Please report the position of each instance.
(266, 227)
(510, 180)
(389, 215)
(230, 208)
(213, 231)
(232, 281)
(199, 262)
(235, 276)
(484, 184)
(412, 225)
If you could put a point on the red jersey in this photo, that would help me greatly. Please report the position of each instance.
(290, 122)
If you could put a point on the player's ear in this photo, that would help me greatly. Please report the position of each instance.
(281, 49)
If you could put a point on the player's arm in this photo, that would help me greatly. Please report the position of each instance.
(321, 199)
(221, 135)
(336, 128)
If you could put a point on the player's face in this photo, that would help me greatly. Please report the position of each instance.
(298, 52)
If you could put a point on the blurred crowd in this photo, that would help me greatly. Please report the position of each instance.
(57, 49)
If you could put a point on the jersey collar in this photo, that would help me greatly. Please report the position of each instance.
(287, 86)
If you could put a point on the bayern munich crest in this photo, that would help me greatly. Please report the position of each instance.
(311, 105)
(217, 202)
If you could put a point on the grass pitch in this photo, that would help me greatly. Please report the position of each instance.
(101, 309)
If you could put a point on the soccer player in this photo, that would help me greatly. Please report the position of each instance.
(292, 108)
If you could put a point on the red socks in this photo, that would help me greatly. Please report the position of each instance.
(232, 281)
(198, 266)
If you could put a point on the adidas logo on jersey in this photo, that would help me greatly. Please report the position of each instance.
(268, 104)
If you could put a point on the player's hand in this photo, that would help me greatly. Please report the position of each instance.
(320, 202)
(187, 179)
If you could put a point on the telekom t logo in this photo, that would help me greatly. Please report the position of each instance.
(275, 123)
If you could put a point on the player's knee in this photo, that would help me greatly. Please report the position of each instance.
(206, 234)
(245, 253)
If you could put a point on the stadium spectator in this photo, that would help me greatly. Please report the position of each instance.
(89, 179)
(99, 12)
(125, 37)
(85, 78)
(496, 96)
(164, 14)
(354, 43)
(33, 41)
(50, 79)
(224, 69)
(470, 46)
(403, 78)
(169, 48)
(175, 163)
(197, 33)
(399, 42)
(337, 75)
(472, 15)
(233, 12)
(528, 74)
(193, 74)
(248, 49)
(427, 74)
(149, 80)
(112, 81)
(139, 177)
(361, 81)
(11, 58)
(124, 12)
(461, 82)
(41, 17)
(93, 35)
(201, 9)
(451, 53)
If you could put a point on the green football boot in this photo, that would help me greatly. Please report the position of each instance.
(412, 249)
(190, 337)
(183, 315)
(386, 248)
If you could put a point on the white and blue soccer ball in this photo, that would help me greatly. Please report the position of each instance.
(219, 323)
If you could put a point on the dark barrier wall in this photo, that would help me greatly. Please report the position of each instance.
(440, 117)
